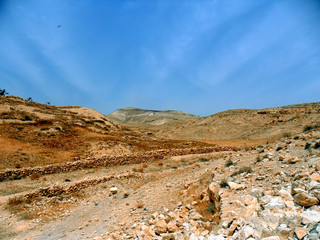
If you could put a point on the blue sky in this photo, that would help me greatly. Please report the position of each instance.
(200, 57)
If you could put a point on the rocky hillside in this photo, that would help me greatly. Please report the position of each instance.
(152, 117)
(35, 134)
(269, 124)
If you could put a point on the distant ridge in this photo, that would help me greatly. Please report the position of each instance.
(153, 117)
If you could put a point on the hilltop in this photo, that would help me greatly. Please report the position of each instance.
(35, 134)
(243, 124)
(152, 117)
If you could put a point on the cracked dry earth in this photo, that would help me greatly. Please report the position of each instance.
(270, 192)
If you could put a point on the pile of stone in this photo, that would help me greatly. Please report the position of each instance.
(108, 161)
(75, 187)
(184, 222)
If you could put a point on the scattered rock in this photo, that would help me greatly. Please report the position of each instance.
(161, 227)
(114, 190)
(310, 216)
(301, 232)
(271, 238)
(172, 226)
(236, 186)
(305, 199)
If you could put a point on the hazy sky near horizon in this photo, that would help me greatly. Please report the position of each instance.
(200, 57)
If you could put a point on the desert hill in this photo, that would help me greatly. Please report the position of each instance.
(270, 123)
(35, 134)
(152, 117)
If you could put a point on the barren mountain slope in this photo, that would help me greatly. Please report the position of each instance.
(153, 117)
(34, 134)
(244, 124)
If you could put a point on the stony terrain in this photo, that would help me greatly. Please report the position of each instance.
(243, 124)
(127, 183)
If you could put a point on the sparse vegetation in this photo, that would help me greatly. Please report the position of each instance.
(310, 127)
(246, 169)
(258, 159)
(286, 134)
(160, 164)
(3, 92)
(210, 208)
(204, 160)
(308, 145)
(229, 163)
(15, 201)
(18, 165)
(25, 215)
(223, 183)
(35, 176)
(26, 118)
(144, 165)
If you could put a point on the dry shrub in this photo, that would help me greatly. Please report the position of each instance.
(25, 215)
(144, 165)
(140, 205)
(246, 169)
(35, 176)
(258, 159)
(140, 170)
(134, 169)
(160, 164)
(18, 165)
(229, 163)
(125, 195)
(15, 205)
(78, 194)
(286, 135)
(205, 208)
(15, 201)
(190, 163)
(247, 148)
(204, 160)
(310, 127)
(224, 183)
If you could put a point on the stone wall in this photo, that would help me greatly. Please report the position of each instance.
(107, 161)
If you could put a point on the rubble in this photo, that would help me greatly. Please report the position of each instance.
(285, 210)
